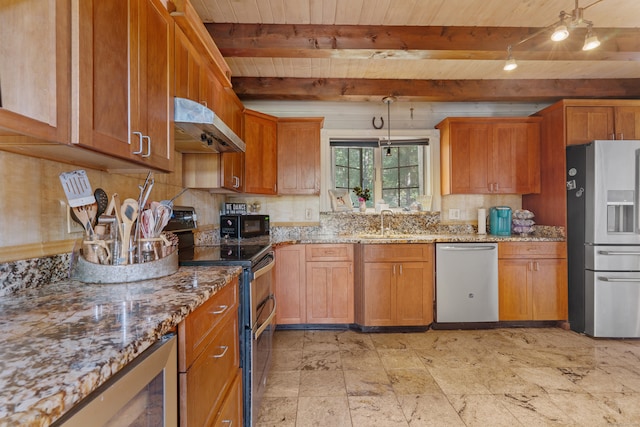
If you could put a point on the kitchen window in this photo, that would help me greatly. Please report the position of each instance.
(394, 173)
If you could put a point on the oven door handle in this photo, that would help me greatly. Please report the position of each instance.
(264, 270)
(267, 322)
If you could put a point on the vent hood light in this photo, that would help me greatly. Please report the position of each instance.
(200, 130)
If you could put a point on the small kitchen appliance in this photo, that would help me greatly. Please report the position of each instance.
(500, 221)
(242, 226)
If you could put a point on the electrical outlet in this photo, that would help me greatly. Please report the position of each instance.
(307, 213)
(454, 213)
(72, 226)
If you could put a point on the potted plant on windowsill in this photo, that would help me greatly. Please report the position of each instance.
(363, 196)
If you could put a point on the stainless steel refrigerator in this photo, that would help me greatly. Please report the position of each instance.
(603, 238)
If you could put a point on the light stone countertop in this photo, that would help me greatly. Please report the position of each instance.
(61, 341)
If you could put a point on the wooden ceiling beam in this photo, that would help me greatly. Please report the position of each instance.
(436, 42)
(533, 90)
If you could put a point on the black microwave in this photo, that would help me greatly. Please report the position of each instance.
(239, 226)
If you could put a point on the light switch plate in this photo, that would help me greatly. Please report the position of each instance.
(454, 213)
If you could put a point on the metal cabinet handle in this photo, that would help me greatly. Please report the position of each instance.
(394, 269)
(236, 182)
(218, 356)
(140, 140)
(230, 422)
(148, 138)
(220, 310)
(401, 269)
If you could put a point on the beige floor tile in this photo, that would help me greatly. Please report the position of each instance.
(283, 384)
(458, 381)
(354, 341)
(482, 410)
(286, 360)
(323, 411)
(400, 359)
(625, 404)
(361, 360)
(321, 340)
(367, 383)
(322, 383)
(587, 410)
(512, 377)
(412, 381)
(321, 360)
(376, 411)
(278, 412)
(552, 380)
(288, 340)
(594, 380)
(429, 410)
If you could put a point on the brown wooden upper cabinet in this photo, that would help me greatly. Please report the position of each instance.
(261, 164)
(35, 73)
(126, 79)
(588, 123)
(299, 155)
(490, 155)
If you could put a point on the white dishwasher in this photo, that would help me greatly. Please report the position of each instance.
(466, 282)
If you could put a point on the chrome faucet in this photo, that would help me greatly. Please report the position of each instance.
(382, 212)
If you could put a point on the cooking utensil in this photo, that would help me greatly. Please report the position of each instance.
(102, 200)
(92, 214)
(77, 188)
(83, 218)
(170, 202)
(162, 216)
(129, 212)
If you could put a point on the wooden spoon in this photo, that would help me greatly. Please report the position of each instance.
(129, 212)
(83, 218)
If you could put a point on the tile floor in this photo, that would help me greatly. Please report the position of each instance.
(499, 377)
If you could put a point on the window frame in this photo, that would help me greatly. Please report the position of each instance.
(424, 169)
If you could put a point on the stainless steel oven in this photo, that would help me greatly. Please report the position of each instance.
(257, 303)
(263, 312)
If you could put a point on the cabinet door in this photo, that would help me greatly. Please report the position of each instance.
(104, 50)
(469, 169)
(154, 110)
(126, 81)
(549, 298)
(514, 289)
(329, 292)
(290, 289)
(515, 162)
(627, 122)
(299, 156)
(35, 68)
(379, 294)
(584, 124)
(260, 172)
(187, 65)
(414, 294)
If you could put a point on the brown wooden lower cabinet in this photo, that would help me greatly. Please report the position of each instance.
(396, 285)
(314, 284)
(209, 362)
(532, 279)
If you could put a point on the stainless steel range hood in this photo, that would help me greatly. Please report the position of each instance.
(200, 130)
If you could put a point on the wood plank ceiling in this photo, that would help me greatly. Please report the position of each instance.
(424, 50)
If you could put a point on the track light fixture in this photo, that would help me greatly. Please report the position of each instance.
(561, 32)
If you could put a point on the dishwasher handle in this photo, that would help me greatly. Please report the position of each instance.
(468, 248)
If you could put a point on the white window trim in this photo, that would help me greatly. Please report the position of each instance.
(432, 182)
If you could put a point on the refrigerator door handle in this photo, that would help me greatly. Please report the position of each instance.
(618, 279)
(619, 252)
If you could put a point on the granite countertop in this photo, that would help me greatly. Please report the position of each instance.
(61, 341)
(373, 238)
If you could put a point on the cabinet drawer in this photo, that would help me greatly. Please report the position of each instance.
(230, 413)
(329, 252)
(204, 385)
(196, 331)
(532, 250)
(398, 252)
